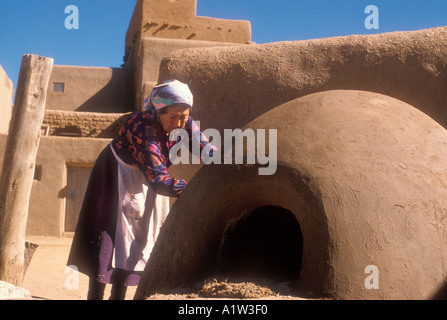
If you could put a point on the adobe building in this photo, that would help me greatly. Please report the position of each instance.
(153, 34)
(86, 105)
(157, 28)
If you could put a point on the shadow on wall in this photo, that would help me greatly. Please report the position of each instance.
(114, 97)
(441, 294)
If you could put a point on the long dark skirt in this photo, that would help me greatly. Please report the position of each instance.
(94, 239)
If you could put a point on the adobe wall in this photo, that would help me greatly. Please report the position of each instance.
(83, 124)
(91, 89)
(169, 10)
(152, 52)
(48, 194)
(197, 28)
(178, 20)
(6, 96)
(234, 85)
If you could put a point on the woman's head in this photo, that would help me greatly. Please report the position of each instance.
(171, 101)
(173, 117)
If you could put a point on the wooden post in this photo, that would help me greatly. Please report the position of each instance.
(19, 162)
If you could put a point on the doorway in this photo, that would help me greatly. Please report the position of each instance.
(77, 181)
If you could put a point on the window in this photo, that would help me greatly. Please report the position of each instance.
(38, 173)
(58, 87)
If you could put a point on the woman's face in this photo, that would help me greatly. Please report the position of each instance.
(175, 118)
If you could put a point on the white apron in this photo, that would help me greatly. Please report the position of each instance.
(141, 213)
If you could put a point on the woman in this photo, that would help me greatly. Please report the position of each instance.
(127, 198)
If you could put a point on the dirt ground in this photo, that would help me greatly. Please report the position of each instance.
(48, 278)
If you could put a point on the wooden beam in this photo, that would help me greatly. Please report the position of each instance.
(19, 162)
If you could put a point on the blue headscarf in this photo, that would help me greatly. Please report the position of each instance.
(168, 93)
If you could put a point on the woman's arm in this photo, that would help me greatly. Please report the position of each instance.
(141, 146)
(151, 162)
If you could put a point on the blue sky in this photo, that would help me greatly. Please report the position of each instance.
(38, 27)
